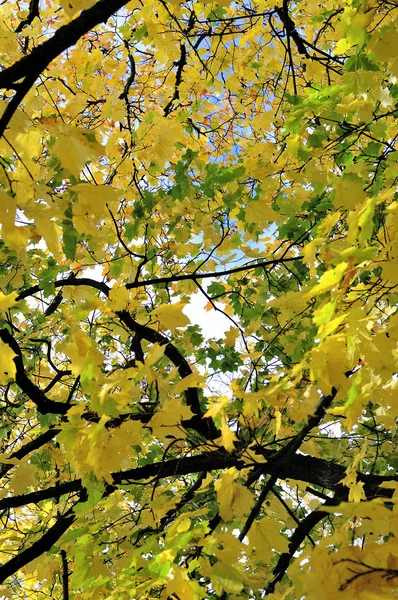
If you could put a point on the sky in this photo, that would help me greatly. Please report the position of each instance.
(212, 323)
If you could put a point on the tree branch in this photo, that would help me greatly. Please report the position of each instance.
(31, 66)
(65, 576)
(204, 426)
(257, 507)
(28, 448)
(311, 470)
(299, 535)
(102, 287)
(40, 495)
(180, 67)
(43, 544)
(214, 274)
(32, 14)
(44, 404)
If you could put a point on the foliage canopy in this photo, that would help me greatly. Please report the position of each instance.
(245, 152)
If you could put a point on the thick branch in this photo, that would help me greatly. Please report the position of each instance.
(299, 535)
(130, 80)
(65, 575)
(319, 472)
(32, 65)
(40, 495)
(65, 37)
(143, 332)
(313, 421)
(44, 404)
(315, 471)
(257, 507)
(60, 283)
(28, 448)
(43, 544)
(290, 27)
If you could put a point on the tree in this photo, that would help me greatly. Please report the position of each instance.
(244, 152)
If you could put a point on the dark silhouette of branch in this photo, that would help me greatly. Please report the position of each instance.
(214, 274)
(65, 576)
(48, 343)
(119, 237)
(43, 544)
(313, 421)
(182, 61)
(26, 449)
(35, 497)
(44, 404)
(131, 77)
(29, 67)
(299, 535)
(21, 90)
(60, 283)
(102, 287)
(315, 471)
(290, 28)
(142, 332)
(255, 511)
(52, 307)
(32, 14)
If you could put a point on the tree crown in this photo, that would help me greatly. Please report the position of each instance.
(242, 155)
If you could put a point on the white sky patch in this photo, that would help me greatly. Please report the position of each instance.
(212, 323)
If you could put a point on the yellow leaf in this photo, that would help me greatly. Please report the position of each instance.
(328, 328)
(324, 313)
(20, 122)
(259, 212)
(329, 361)
(266, 537)
(278, 422)
(233, 498)
(309, 253)
(71, 7)
(154, 354)
(7, 369)
(359, 509)
(218, 407)
(192, 380)
(356, 493)
(228, 437)
(328, 280)
(227, 578)
(24, 477)
(93, 199)
(181, 524)
(349, 192)
(118, 298)
(75, 147)
(51, 233)
(231, 335)
(82, 351)
(180, 586)
(171, 316)
(7, 300)
(167, 422)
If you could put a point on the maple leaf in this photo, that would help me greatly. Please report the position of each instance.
(171, 316)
